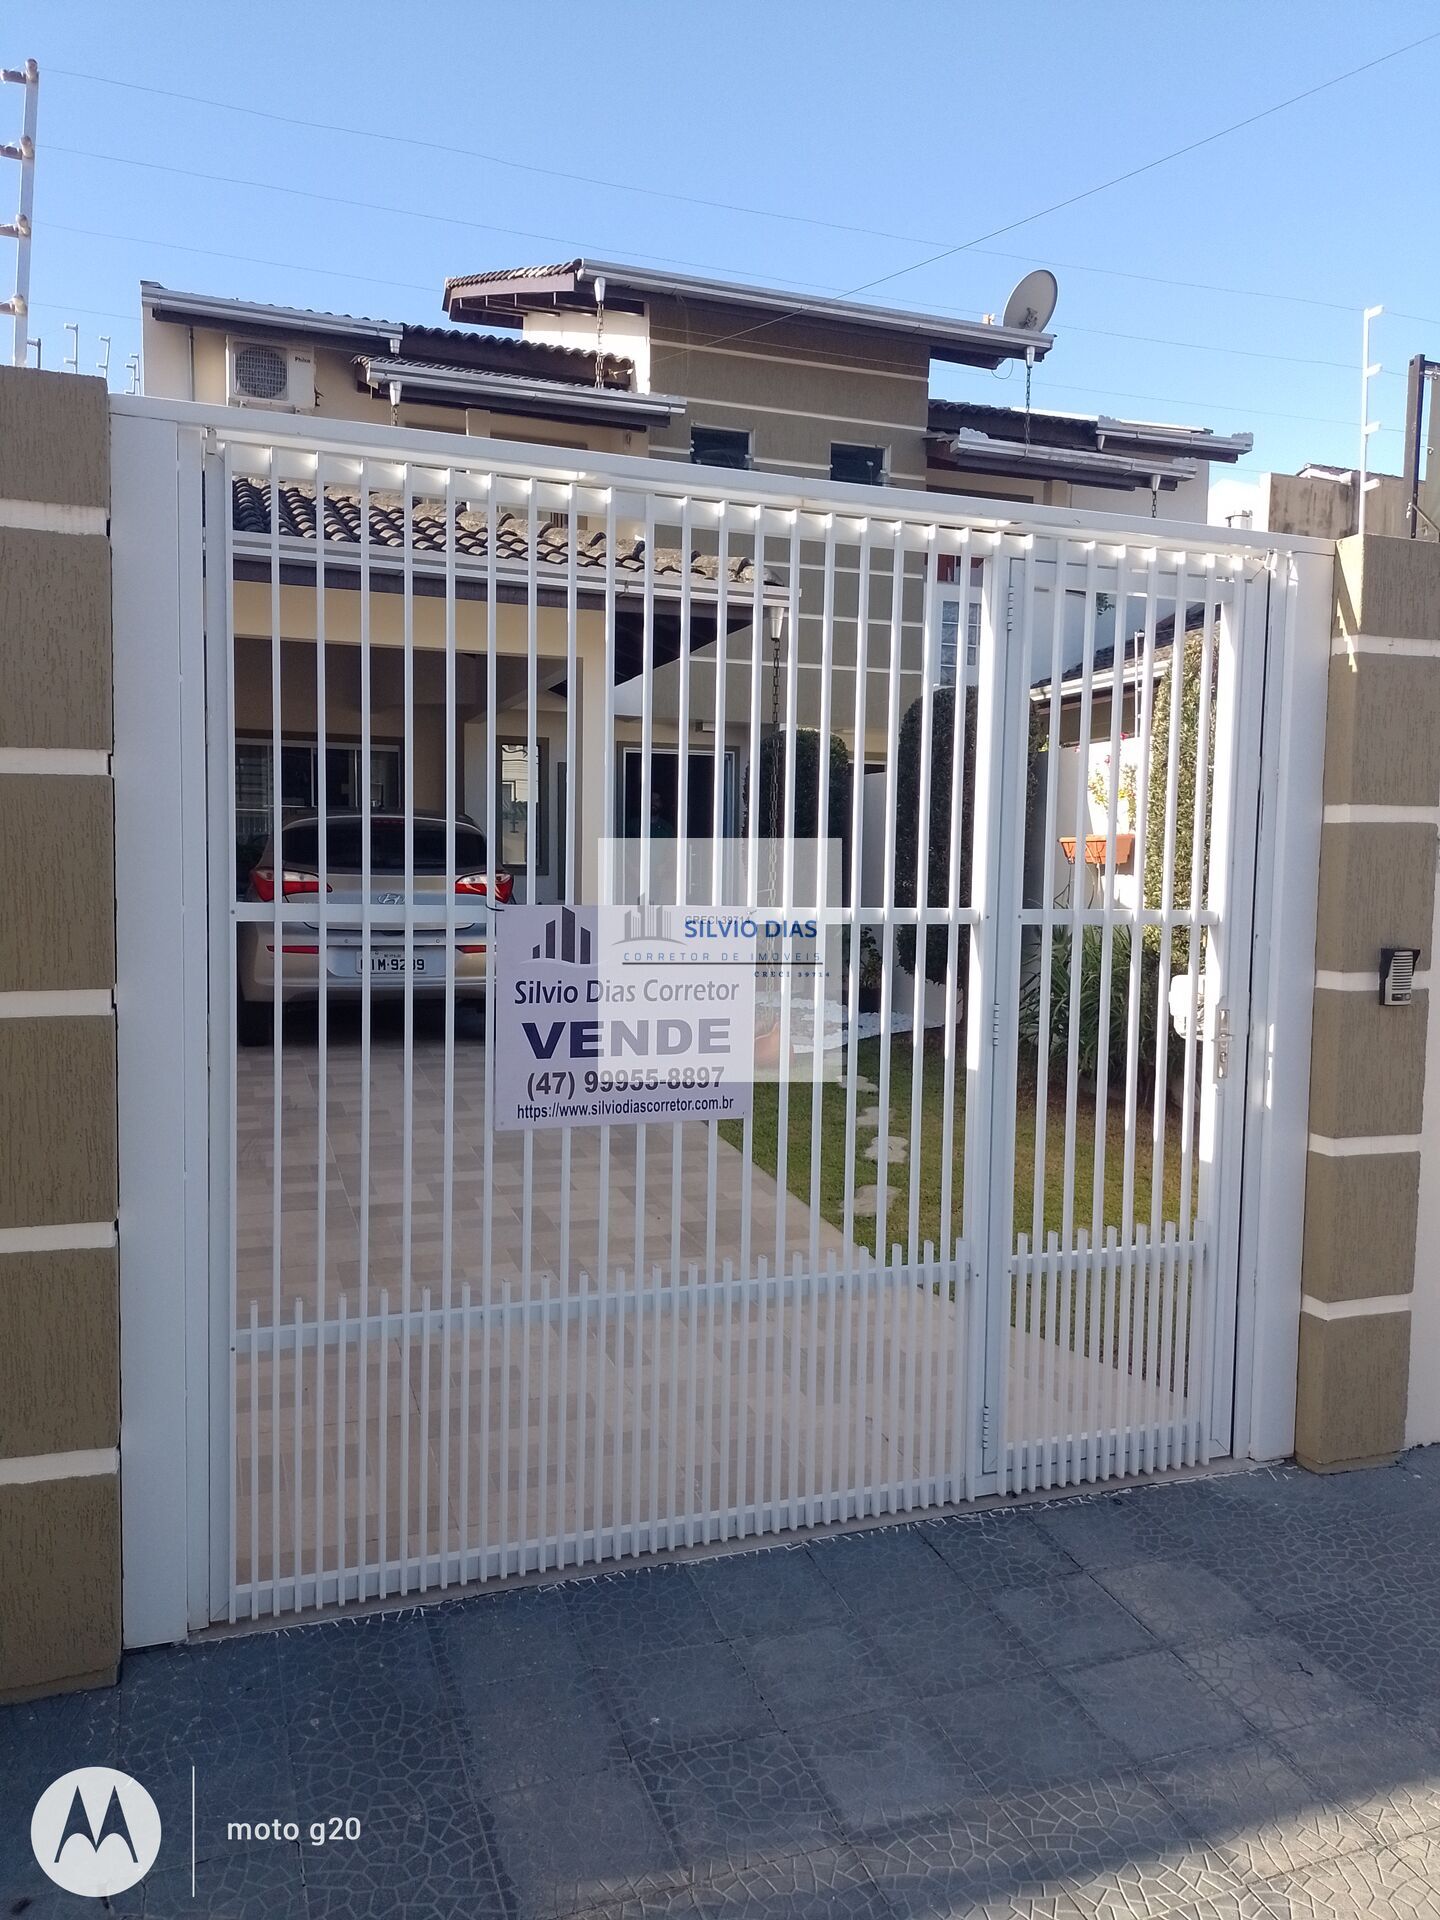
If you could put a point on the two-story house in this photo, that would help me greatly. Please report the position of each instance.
(608, 358)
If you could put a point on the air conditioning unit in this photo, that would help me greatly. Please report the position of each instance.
(260, 374)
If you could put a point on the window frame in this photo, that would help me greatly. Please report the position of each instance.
(733, 433)
(882, 454)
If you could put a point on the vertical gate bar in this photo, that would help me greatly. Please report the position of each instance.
(794, 1381)
(685, 1509)
(957, 941)
(898, 1278)
(887, 896)
(845, 1476)
(786, 828)
(382, 1529)
(423, 1553)
(342, 1350)
(297, 1440)
(277, 822)
(223, 1168)
(532, 878)
(682, 852)
(574, 694)
(829, 1487)
(1164, 1409)
(1167, 891)
(712, 1353)
(928, 649)
(1162, 995)
(1079, 885)
(809, 1481)
(764, 1320)
(366, 937)
(752, 896)
(1240, 690)
(407, 1151)
(732, 1302)
(716, 899)
(490, 1297)
(953, 902)
(1195, 940)
(610, 803)
(322, 1073)
(1027, 1316)
(622, 1403)
(1047, 901)
(1145, 714)
(447, 1177)
(1048, 1423)
(580, 1485)
(1012, 681)
(462, 1545)
(926, 1348)
(677, 1130)
(857, 920)
(252, 1607)
(542, 1464)
(728, 1296)
(1099, 1273)
(1078, 1268)
(647, 800)
(822, 899)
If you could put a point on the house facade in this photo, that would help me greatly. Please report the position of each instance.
(603, 358)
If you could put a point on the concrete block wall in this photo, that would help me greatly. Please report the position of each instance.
(1368, 1063)
(59, 1378)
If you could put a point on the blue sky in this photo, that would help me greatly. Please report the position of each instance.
(921, 124)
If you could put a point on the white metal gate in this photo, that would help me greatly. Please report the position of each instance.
(981, 1236)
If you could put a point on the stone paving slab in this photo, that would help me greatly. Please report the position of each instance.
(1206, 1700)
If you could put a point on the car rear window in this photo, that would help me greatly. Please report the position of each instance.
(387, 846)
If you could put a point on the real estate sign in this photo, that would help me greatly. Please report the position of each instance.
(622, 1014)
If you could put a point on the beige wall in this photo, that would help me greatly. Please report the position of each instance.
(1373, 1180)
(59, 1387)
(795, 386)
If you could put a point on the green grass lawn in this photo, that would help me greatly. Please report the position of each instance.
(931, 1131)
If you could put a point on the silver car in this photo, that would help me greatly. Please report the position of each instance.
(293, 870)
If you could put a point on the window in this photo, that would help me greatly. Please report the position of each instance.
(863, 466)
(513, 781)
(950, 609)
(719, 447)
(299, 786)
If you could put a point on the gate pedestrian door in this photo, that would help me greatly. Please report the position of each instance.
(979, 1233)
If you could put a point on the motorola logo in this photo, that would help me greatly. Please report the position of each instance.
(95, 1831)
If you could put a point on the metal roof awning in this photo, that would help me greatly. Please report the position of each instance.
(513, 292)
(513, 393)
(975, 452)
(166, 304)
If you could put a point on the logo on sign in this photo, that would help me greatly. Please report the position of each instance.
(566, 939)
(95, 1831)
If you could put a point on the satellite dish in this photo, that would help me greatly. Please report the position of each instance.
(1031, 304)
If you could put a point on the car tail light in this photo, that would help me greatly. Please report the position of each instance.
(263, 880)
(476, 883)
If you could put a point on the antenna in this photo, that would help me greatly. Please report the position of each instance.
(133, 368)
(18, 229)
(1368, 371)
(102, 365)
(1033, 302)
(72, 359)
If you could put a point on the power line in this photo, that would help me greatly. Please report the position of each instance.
(1104, 186)
(785, 215)
(416, 286)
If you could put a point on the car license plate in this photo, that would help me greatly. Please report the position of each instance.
(421, 964)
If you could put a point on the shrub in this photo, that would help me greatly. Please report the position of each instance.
(770, 787)
(1089, 1004)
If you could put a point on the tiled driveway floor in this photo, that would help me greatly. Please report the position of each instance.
(1216, 1699)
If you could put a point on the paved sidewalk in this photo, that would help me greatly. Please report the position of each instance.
(1213, 1699)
